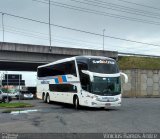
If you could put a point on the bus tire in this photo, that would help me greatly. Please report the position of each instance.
(76, 102)
(44, 98)
(48, 99)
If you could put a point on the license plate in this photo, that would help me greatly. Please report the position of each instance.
(107, 104)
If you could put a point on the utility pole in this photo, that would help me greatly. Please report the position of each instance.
(3, 25)
(1, 80)
(50, 43)
(19, 87)
(7, 88)
(103, 39)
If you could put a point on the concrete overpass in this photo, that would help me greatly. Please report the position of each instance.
(26, 57)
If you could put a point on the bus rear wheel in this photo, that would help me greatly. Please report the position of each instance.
(48, 98)
(76, 103)
(44, 98)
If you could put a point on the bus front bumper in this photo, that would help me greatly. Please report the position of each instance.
(98, 104)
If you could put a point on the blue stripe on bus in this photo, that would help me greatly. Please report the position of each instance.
(64, 78)
(56, 80)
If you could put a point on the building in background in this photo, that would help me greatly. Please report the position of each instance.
(12, 82)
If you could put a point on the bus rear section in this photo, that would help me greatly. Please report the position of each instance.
(58, 81)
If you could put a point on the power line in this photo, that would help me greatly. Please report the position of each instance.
(14, 30)
(31, 31)
(44, 34)
(133, 54)
(24, 34)
(25, 18)
(151, 7)
(56, 40)
(99, 12)
(97, 4)
(82, 31)
(112, 37)
(122, 7)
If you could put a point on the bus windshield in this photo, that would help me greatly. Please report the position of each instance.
(103, 66)
(106, 86)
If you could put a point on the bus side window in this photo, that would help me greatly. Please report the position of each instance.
(85, 82)
(69, 68)
(74, 88)
(84, 78)
(58, 69)
(72, 68)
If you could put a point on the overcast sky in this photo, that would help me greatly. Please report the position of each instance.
(24, 31)
(141, 22)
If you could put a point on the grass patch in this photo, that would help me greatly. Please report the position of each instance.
(15, 105)
(131, 62)
(8, 111)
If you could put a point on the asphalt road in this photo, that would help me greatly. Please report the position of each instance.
(135, 115)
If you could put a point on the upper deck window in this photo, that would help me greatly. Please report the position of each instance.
(105, 66)
(58, 69)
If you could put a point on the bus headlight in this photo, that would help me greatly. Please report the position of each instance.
(93, 103)
(117, 99)
(92, 96)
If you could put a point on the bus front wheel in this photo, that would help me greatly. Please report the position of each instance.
(76, 102)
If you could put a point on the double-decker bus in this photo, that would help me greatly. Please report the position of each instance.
(92, 81)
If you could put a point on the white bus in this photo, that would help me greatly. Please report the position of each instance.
(91, 81)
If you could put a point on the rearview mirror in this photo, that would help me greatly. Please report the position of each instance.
(88, 73)
(125, 77)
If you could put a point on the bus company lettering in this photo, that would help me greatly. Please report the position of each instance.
(103, 62)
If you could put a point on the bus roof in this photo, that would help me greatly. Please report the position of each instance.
(57, 62)
(73, 58)
(90, 57)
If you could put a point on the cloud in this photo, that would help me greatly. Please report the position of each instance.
(142, 48)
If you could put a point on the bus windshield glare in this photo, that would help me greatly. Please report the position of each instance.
(106, 86)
